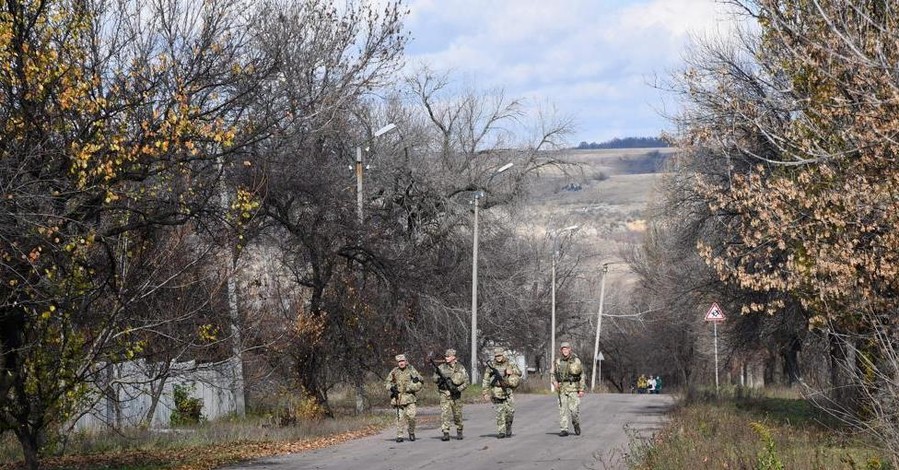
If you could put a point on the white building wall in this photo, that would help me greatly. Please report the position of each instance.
(128, 398)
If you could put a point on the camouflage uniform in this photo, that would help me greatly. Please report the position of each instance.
(451, 401)
(501, 395)
(408, 382)
(568, 373)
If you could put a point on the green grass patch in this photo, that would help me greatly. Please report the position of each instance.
(748, 430)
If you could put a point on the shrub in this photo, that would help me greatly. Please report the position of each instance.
(298, 408)
(188, 409)
(767, 459)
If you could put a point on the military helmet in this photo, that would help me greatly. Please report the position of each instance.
(400, 357)
(499, 352)
(565, 344)
(450, 352)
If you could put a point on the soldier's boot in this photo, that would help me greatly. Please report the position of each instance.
(411, 436)
(501, 435)
(564, 433)
(577, 428)
(445, 437)
(399, 439)
(459, 434)
(509, 428)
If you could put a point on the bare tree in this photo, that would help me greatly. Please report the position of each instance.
(114, 116)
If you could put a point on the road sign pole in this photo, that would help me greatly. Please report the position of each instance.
(716, 356)
(715, 315)
(600, 375)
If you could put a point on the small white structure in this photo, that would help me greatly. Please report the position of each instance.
(127, 392)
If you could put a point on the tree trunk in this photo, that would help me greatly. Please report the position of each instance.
(29, 438)
(308, 368)
(360, 397)
(156, 388)
(791, 361)
(842, 365)
(771, 374)
(237, 385)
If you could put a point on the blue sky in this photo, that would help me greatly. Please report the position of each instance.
(593, 60)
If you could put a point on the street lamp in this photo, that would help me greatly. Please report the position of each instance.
(552, 327)
(602, 296)
(360, 403)
(474, 277)
(378, 133)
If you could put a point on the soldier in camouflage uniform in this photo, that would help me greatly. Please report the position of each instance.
(568, 379)
(501, 377)
(452, 379)
(403, 382)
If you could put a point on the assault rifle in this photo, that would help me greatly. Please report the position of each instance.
(395, 396)
(497, 380)
(394, 392)
(558, 385)
(444, 382)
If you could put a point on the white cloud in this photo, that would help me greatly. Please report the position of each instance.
(591, 58)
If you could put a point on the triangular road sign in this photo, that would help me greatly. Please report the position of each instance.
(714, 313)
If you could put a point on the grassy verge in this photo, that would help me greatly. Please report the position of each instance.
(213, 444)
(204, 446)
(751, 430)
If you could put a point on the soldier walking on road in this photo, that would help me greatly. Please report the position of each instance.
(451, 378)
(403, 383)
(500, 378)
(568, 379)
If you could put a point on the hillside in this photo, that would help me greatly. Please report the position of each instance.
(605, 192)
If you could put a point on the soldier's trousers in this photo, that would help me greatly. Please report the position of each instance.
(450, 411)
(569, 407)
(505, 411)
(405, 419)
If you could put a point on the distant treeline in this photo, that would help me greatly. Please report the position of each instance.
(625, 143)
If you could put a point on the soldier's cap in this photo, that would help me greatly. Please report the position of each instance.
(450, 352)
(565, 344)
(400, 357)
(499, 351)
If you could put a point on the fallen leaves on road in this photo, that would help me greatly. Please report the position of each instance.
(194, 458)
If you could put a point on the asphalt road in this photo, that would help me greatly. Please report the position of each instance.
(608, 421)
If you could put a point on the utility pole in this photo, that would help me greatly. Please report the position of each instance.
(474, 293)
(360, 389)
(602, 296)
(474, 275)
(359, 183)
(552, 326)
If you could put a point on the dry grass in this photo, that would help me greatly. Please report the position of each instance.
(752, 431)
(198, 447)
(608, 200)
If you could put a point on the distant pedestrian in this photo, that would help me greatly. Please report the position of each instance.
(403, 382)
(652, 384)
(451, 378)
(642, 384)
(658, 384)
(501, 376)
(569, 382)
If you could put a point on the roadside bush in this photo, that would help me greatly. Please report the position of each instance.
(188, 409)
(299, 407)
